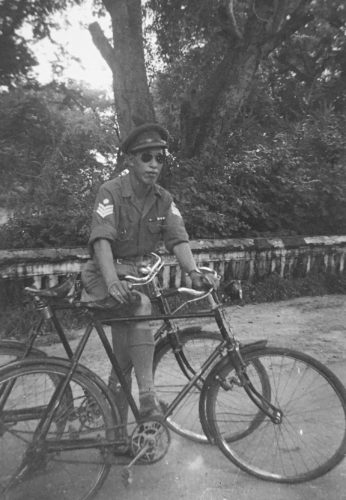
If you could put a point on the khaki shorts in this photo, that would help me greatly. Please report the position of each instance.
(94, 285)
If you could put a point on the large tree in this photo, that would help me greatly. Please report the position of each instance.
(215, 50)
(226, 39)
(125, 58)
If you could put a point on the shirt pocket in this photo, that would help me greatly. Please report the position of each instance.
(125, 230)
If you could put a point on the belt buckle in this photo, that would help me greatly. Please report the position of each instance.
(130, 260)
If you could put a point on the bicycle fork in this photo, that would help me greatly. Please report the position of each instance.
(274, 413)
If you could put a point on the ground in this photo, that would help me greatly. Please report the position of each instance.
(315, 325)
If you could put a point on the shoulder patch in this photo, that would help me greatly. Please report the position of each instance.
(175, 210)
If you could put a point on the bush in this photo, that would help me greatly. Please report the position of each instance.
(275, 288)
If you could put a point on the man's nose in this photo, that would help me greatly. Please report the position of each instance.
(154, 163)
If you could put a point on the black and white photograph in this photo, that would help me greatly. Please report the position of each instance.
(172, 249)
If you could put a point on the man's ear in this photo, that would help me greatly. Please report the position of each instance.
(130, 161)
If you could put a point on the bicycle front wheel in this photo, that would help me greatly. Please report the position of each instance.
(68, 462)
(309, 437)
(170, 378)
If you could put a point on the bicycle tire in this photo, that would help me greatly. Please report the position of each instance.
(13, 350)
(169, 379)
(51, 470)
(304, 443)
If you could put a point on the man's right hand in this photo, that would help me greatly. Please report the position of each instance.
(121, 292)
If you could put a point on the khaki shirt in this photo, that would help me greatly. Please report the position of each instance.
(131, 229)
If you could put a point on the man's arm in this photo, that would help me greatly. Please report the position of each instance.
(104, 257)
(187, 262)
(183, 253)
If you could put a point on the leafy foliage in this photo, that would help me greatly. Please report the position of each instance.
(57, 145)
(288, 181)
(16, 57)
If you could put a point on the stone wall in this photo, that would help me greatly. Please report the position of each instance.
(245, 259)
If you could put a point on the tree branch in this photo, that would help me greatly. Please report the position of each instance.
(297, 18)
(277, 18)
(102, 44)
(230, 10)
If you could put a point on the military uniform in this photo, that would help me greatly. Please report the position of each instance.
(132, 230)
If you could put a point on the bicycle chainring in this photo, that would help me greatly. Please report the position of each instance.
(154, 435)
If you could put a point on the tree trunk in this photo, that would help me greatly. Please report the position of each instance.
(225, 95)
(125, 58)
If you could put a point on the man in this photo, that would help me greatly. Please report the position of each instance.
(132, 215)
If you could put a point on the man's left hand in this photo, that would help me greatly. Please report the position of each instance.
(201, 281)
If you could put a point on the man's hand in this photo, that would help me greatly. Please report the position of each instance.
(121, 292)
(204, 281)
(199, 281)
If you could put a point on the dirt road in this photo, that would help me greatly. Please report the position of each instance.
(315, 325)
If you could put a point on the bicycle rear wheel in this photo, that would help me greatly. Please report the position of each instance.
(70, 463)
(169, 379)
(308, 439)
(13, 350)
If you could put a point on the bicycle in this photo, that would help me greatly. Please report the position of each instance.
(183, 349)
(267, 408)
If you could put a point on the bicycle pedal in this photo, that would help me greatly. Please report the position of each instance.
(127, 476)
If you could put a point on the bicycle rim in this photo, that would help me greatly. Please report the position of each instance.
(310, 438)
(169, 380)
(50, 470)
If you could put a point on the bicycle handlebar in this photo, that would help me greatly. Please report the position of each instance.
(151, 271)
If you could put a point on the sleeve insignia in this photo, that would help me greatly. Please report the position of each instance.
(104, 209)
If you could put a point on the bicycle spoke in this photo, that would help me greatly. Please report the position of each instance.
(170, 379)
(69, 462)
(303, 443)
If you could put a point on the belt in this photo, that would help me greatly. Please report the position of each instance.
(139, 260)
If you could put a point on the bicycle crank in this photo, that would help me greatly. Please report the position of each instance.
(149, 443)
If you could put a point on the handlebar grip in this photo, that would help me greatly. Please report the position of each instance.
(192, 291)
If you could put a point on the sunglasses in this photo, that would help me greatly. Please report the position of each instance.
(147, 157)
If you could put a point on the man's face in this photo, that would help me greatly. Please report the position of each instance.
(147, 165)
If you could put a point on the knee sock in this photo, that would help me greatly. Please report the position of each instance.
(133, 345)
(120, 348)
(141, 351)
